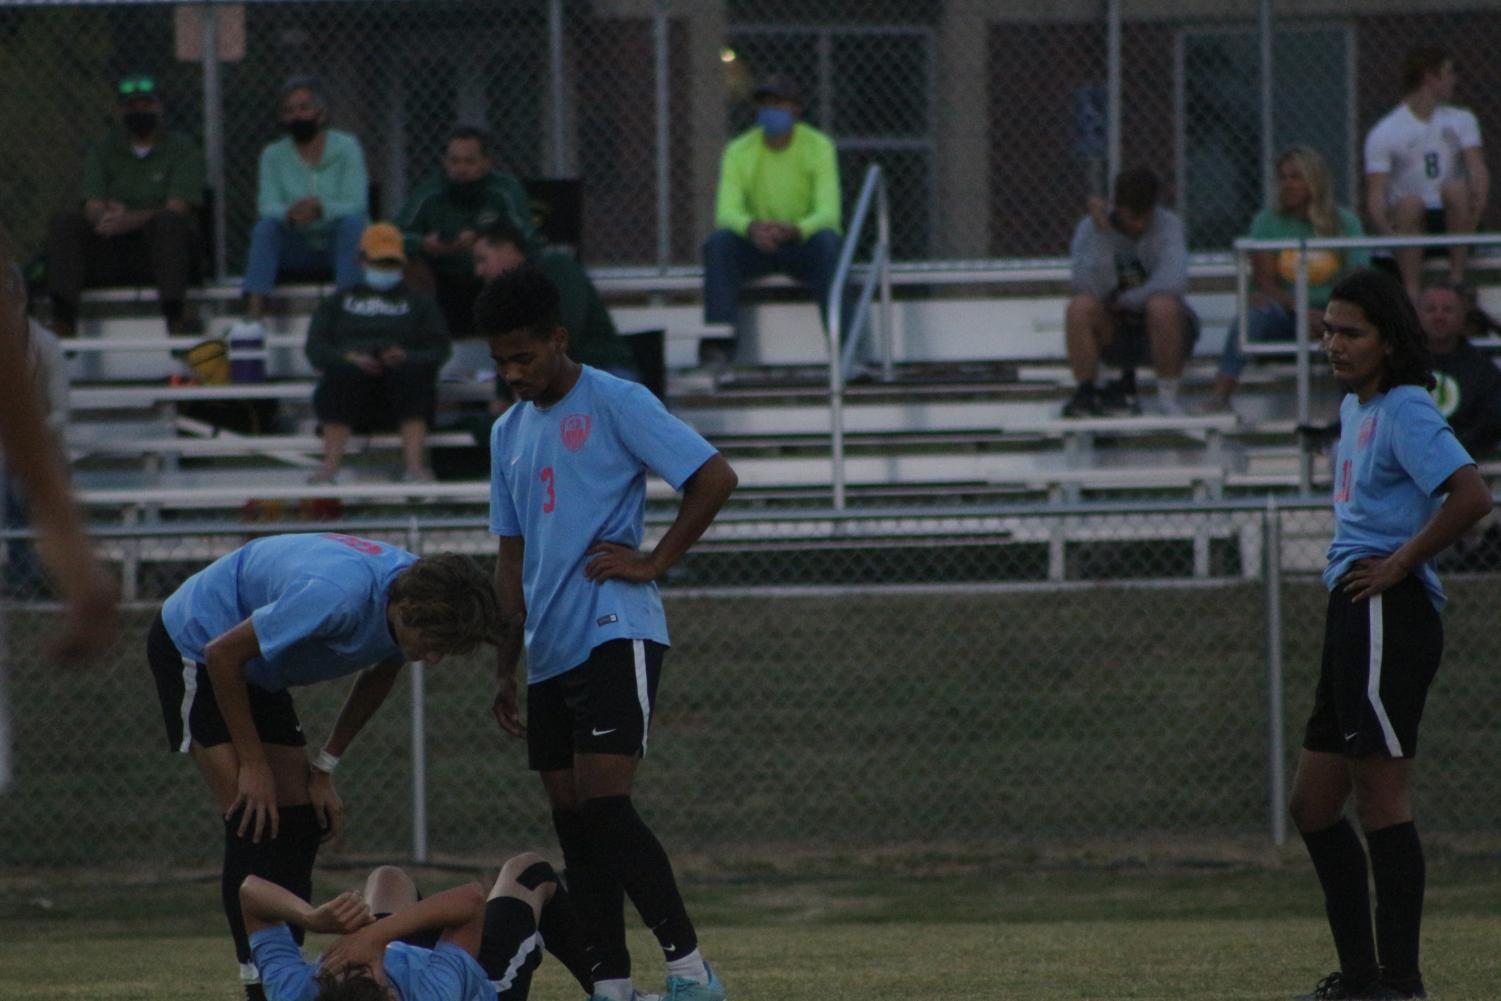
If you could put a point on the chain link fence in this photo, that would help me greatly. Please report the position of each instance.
(926, 682)
(994, 121)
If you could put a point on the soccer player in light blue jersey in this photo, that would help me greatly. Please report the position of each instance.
(568, 487)
(1404, 490)
(284, 611)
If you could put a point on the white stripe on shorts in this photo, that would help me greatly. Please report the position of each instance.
(1373, 678)
(189, 690)
(638, 654)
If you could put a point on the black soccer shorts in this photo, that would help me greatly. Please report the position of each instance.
(190, 710)
(603, 706)
(1380, 656)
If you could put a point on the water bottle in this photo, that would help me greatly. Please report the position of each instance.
(247, 352)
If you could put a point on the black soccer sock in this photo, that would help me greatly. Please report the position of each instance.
(172, 310)
(565, 937)
(598, 898)
(1400, 875)
(293, 852)
(1339, 859)
(504, 952)
(1128, 380)
(622, 841)
(242, 857)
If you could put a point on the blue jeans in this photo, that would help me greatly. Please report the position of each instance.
(1271, 322)
(277, 244)
(730, 260)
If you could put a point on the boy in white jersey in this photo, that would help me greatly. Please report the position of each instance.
(277, 613)
(1404, 490)
(568, 487)
(1425, 170)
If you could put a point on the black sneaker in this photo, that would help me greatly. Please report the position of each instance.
(1115, 400)
(1084, 403)
(1408, 987)
(1334, 987)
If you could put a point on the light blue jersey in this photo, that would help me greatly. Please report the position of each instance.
(317, 604)
(442, 973)
(1394, 452)
(572, 475)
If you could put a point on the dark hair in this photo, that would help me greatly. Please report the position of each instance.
(1385, 304)
(521, 299)
(479, 135)
(302, 81)
(352, 983)
(1419, 62)
(449, 600)
(1136, 189)
(501, 232)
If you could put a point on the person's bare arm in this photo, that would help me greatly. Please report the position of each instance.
(366, 695)
(703, 495)
(510, 601)
(225, 658)
(1375, 203)
(90, 597)
(1469, 500)
(453, 908)
(264, 904)
(1479, 181)
(1264, 276)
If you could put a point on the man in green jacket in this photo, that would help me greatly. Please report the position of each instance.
(442, 217)
(379, 346)
(142, 186)
(777, 211)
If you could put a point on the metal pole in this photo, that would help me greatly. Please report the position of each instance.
(1271, 533)
(555, 82)
(1113, 90)
(213, 135)
(419, 764)
(883, 229)
(1268, 125)
(664, 172)
(1300, 326)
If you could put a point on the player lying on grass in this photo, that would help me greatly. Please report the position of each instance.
(457, 945)
(292, 610)
(1404, 490)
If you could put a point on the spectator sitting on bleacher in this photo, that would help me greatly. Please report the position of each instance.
(1305, 210)
(141, 187)
(592, 337)
(441, 219)
(379, 346)
(1467, 387)
(777, 210)
(1130, 272)
(311, 196)
(1424, 167)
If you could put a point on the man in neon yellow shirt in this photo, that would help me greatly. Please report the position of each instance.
(777, 211)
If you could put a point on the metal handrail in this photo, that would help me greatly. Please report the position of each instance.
(876, 274)
(1301, 347)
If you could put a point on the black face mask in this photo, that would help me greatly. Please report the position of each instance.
(140, 123)
(302, 129)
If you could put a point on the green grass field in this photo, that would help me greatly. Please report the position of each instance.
(1044, 932)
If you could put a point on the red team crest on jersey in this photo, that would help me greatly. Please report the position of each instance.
(575, 431)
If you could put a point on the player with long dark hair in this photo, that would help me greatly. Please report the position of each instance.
(1404, 489)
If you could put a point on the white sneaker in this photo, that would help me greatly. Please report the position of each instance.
(1170, 406)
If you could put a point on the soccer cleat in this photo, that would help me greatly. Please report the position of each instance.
(683, 989)
(1410, 987)
(1084, 403)
(1335, 987)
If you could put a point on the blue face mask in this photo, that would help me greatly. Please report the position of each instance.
(382, 279)
(775, 122)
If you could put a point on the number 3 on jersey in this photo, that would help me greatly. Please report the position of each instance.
(552, 496)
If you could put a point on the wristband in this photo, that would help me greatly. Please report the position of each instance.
(325, 762)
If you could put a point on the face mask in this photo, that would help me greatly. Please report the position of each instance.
(466, 192)
(140, 123)
(302, 129)
(382, 279)
(775, 122)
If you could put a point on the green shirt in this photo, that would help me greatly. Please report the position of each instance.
(592, 338)
(365, 321)
(1272, 225)
(798, 183)
(171, 169)
(433, 208)
(338, 179)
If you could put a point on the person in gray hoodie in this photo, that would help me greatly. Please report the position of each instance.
(1129, 273)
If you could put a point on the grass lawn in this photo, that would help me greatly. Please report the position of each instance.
(993, 931)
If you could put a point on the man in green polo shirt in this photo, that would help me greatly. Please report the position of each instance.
(777, 211)
(442, 217)
(141, 188)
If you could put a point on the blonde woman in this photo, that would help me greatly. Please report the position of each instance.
(1305, 208)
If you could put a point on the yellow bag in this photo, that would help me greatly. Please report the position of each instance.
(209, 362)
